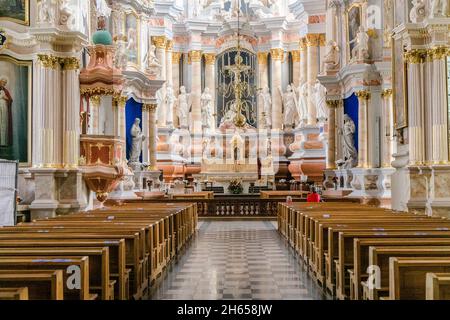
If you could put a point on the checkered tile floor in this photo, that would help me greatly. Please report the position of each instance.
(237, 260)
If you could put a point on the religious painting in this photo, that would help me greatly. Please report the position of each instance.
(400, 84)
(132, 33)
(15, 109)
(354, 21)
(15, 10)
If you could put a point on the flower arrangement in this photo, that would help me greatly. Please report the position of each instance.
(235, 187)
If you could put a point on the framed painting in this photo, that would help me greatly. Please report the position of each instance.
(132, 34)
(15, 109)
(16, 11)
(353, 21)
(400, 84)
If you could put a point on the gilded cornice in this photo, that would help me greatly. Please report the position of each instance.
(98, 91)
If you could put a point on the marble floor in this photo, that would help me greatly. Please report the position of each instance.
(237, 260)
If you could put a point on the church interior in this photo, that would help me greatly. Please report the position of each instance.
(224, 150)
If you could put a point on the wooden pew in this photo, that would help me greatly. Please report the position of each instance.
(99, 281)
(361, 248)
(41, 284)
(438, 286)
(379, 256)
(407, 276)
(55, 263)
(14, 293)
(345, 252)
(116, 256)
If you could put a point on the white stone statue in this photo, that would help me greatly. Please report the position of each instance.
(66, 17)
(160, 110)
(153, 64)
(331, 60)
(350, 152)
(230, 115)
(439, 8)
(417, 13)
(320, 97)
(274, 7)
(103, 9)
(266, 98)
(361, 49)
(136, 142)
(290, 106)
(303, 104)
(170, 100)
(120, 56)
(184, 106)
(235, 8)
(207, 108)
(46, 11)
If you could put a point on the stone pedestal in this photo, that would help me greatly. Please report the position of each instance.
(309, 154)
(45, 201)
(372, 183)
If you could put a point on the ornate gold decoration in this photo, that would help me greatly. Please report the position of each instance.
(159, 42)
(416, 56)
(277, 54)
(96, 100)
(363, 94)
(176, 56)
(70, 63)
(333, 103)
(315, 39)
(295, 55)
(210, 58)
(98, 92)
(438, 53)
(262, 57)
(386, 93)
(150, 107)
(48, 61)
(169, 45)
(303, 44)
(194, 56)
(120, 100)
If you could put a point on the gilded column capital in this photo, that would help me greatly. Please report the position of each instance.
(438, 53)
(315, 39)
(95, 100)
(194, 56)
(386, 93)
(277, 53)
(159, 42)
(333, 104)
(303, 44)
(120, 100)
(48, 61)
(210, 58)
(150, 107)
(363, 94)
(70, 63)
(295, 55)
(416, 56)
(262, 57)
(169, 45)
(176, 56)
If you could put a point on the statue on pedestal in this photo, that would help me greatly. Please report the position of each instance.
(303, 104)
(361, 50)
(136, 142)
(170, 100)
(267, 106)
(320, 97)
(439, 8)
(331, 61)
(207, 112)
(290, 106)
(350, 152)
(184, 107)
(46, 11)
(153, 65)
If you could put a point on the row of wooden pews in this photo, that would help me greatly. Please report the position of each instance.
(113, 253)
(362, 252)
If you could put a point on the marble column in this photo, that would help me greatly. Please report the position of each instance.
(303, 62)
(440, 107)
(146, 133)
(331, 150)
(210, 75)
(263, 80)
(161, 44)
(416, 115)
(363, 97)
(386, 129)
(176, 56)
(71, 108)
(296, 67)
(313, 42)
(429, 107)
(277, 56)
(152, 135)
(195, 59)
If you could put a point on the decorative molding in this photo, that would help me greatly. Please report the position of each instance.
(295, 55)
(363, 94)
(386, 93)
(315, 39)
(194, 56)
(149, 107)
(159, 42)
(48, 61)
(416, 56)
(332, 104)
(176, 56)
(98, 91)
(262, 57)
(210, 58)
(277, 54)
